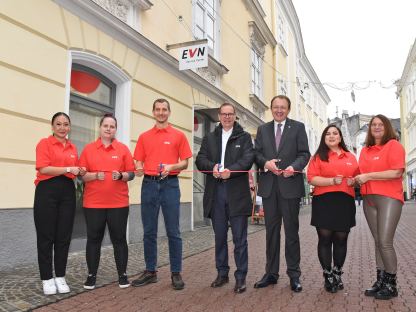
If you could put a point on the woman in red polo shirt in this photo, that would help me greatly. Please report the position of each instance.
(54, 204)
(331, 171)
(109, 166)
(382, 162)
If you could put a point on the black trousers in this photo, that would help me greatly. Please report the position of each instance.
(220, 219)
(54, 211)
(276, 209)
(97, 219)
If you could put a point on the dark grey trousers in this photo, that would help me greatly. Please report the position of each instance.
(276, 209)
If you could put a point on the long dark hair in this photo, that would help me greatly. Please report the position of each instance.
(323, 149)
(389, 132)
(56, 115)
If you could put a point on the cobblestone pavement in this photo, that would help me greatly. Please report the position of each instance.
(199, 271)
(20, 288)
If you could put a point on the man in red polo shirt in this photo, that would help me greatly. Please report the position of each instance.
(160, 154)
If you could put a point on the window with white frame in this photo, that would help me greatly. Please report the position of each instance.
(299, 76)
(256, 73)
(205, 22)
(412, 137)
(281, 31)
(257, 51)
(414, 87)
(408, 99)
(282, 85)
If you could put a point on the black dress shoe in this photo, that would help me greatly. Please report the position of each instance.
(295, 284)
(267, 279)
(177, 281)
(240, 286)
(220, 281)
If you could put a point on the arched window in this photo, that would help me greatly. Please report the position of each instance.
(95, 86)
(92, 95)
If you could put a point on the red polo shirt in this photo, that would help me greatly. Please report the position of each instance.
(344, 164)
(161, 146)
(378, 158)
(97, 158)
(51, 152)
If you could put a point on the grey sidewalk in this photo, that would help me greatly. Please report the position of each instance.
(20, 288)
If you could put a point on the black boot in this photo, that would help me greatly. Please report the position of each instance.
(371, 292)
(388, 288)
(337, 272)
(330, 285)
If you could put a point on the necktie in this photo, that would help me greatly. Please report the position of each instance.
(278, 135)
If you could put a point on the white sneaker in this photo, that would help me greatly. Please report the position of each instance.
(61, 285)
(49, 287)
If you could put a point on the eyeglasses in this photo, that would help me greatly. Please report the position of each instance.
(227, 114)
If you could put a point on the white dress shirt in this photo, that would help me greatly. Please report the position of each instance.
(225, 136)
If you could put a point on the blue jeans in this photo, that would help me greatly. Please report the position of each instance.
(166, 194)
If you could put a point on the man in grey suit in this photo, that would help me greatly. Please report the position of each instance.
(282, 151)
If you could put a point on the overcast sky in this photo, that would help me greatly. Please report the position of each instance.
(358, 41)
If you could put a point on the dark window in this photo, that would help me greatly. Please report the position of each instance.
(92, 95)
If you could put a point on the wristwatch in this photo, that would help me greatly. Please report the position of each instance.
(68, 169)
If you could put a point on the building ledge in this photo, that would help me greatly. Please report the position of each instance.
(282, 49)
(142, 4)
(256, 100)
(221, 69)
(258, 14)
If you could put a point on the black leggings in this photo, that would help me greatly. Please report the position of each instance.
(54, 211)
(97, 219)
(331, 245)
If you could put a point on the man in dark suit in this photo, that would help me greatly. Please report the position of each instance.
(282, 151)
(228, 153)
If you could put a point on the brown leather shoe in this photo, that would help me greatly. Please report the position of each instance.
(220, 281)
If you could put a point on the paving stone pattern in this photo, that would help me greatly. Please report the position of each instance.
(199, 271)
(21, 290)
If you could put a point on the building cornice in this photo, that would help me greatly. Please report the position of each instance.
(293, 20)
(257, 33)
(256, 100)
(217, 66)
(258, 15)
(142, 4)
(411, 58)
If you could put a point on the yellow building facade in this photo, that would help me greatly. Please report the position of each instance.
(406, 90)
(126, 44)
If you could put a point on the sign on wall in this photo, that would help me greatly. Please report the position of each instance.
(192, 57)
